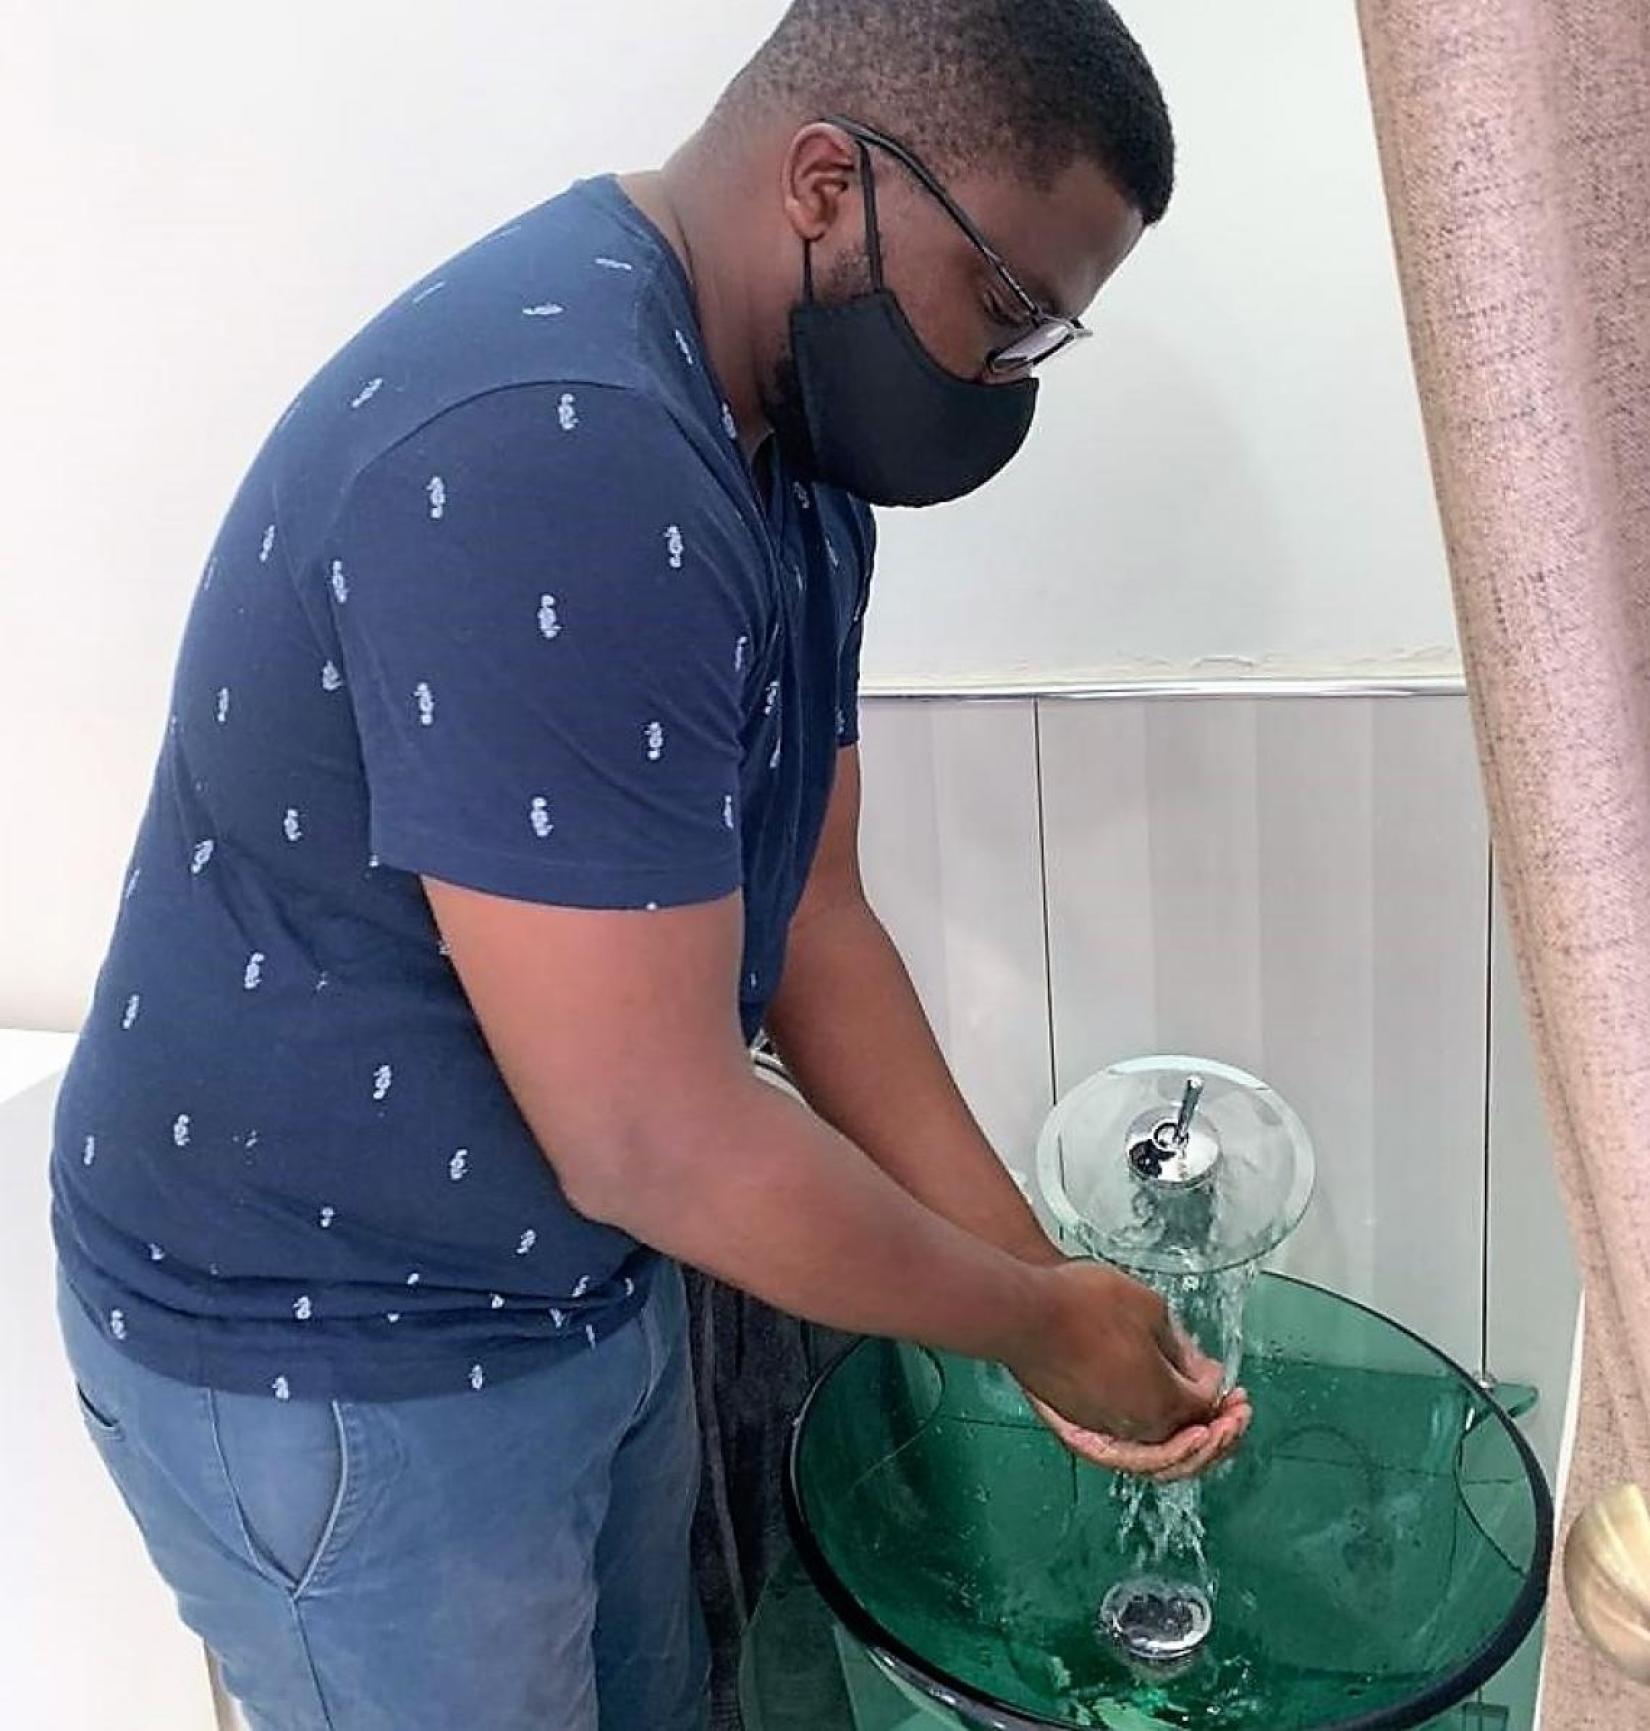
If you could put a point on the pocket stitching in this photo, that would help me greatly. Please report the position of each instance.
(323, 1545)
(261, 1560)
(101, 1424)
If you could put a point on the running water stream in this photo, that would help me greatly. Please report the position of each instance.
(1165, 1521)
(1183, 1174)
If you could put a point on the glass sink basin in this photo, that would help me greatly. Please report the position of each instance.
(1375, 1551)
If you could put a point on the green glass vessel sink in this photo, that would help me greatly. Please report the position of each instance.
(1376, 1550)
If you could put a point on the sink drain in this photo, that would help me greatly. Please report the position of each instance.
(1155, 1621)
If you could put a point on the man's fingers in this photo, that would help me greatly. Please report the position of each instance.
(1191, 1451)
(1118, 1453)
(1226, 1433)
(1223, 1438)
(1145, 1460)
(1200, 1375)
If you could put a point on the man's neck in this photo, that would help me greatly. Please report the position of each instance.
(683, 200)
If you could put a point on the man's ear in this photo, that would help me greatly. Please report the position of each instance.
(819, 173)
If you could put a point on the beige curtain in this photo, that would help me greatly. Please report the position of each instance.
(1515, 140)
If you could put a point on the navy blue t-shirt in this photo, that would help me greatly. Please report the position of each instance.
(500, 601)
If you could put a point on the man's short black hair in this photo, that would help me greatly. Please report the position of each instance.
(1029, 85)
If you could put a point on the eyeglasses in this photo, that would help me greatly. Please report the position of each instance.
(1046, 333)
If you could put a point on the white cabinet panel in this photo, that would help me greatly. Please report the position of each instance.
(1296, 886)
(1534, 1281)
(950, 850)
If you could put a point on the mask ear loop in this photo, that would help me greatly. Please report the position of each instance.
(873, 229)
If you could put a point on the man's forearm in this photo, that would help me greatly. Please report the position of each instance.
(776, 1202)
(852, 1031)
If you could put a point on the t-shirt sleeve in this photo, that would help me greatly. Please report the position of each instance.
(546, 615)
(865, 545)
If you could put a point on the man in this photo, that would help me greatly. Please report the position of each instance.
(510, 789)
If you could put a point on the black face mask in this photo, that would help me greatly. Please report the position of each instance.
(877, 415)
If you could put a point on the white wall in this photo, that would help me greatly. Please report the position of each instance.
(1231, 479)
(206, 200)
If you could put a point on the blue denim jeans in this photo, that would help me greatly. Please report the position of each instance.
(510, 1560)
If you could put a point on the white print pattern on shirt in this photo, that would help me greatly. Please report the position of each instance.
(729, 425)
(803, 497)
(558, 1317)
(331, 678)
(739, 649)
(340, 583)
(614, 264)
(392, 1316)
(437, 490)
(581, 1286)
(538, 815)
(673, 546)
(544, 310)
(156, 1254)
(477, 1376)
(831, 553)
(268, 545)
(130, 1014)
(117, 1324)
(223, 704)
(567, 412)
(727, 810)
(778, 752)
(252, 978)
(549, 624)
(686, 347)
(425, 293)
(302, 1308)
(414, 1278)
(203, 852)
(459, 1164)
(496, 1302)
(180, 1130)
(770, 697)
(590, 1332)
(367, 392)
(382, 1077)
(89, 1153)
(282, 1388)
(655, 741)
(425, 699)
(528, 1239)
(291, 827)
(328, 1215)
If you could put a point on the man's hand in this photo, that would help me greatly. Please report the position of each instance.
(1122, 1385)
(1185, 1455)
